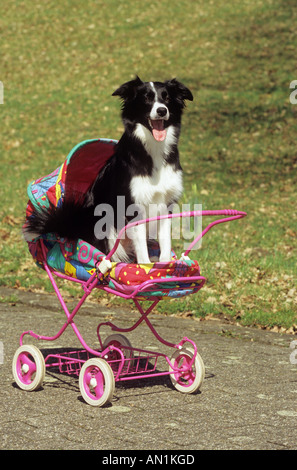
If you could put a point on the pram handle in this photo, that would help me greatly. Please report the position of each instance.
(229, 214)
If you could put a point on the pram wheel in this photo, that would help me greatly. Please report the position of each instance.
(28, 367)
(186, 379)
(96, 382)
(121, 342)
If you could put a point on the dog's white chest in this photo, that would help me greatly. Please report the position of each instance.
(163, 187)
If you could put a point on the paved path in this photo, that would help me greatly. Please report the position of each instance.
(248, 399)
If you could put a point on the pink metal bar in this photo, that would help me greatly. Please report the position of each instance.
(220, 221)
(144, 316)
(93, 280)
(133, 327)
(230, 213)
(140, 290)
(147, 376)
(69, 318)
(143, 287)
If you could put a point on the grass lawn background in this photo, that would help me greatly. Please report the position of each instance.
(60, 63)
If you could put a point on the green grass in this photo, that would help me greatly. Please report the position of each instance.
(60, 63)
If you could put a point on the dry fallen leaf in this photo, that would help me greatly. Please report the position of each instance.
(12, 220)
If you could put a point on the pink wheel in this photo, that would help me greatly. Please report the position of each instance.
(96, 382)
(28, 368)
(187, 379)
(120, 342)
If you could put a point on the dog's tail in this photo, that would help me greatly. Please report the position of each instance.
(68, 221)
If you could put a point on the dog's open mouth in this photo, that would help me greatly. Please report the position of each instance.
(158, 130)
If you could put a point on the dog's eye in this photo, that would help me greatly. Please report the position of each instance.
(165, 96)
(150, 95)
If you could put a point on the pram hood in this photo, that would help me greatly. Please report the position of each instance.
(74, 177)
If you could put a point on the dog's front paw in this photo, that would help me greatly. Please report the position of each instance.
(164, 259)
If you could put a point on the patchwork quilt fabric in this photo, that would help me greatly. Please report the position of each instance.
(78, 259)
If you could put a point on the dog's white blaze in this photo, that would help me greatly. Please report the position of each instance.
(153, 114)
(154, 89)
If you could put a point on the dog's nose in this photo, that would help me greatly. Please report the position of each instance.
(162, 111)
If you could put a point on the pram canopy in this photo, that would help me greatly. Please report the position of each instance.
(74, 177)
(78, 259)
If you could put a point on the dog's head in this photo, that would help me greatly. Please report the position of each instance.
(154, 105)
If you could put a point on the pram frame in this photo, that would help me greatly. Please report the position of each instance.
(123, 363)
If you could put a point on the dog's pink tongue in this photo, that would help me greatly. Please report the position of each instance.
(158, 130)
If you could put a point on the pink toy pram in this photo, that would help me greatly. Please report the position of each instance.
(115, 359)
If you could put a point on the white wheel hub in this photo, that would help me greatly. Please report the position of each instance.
(25, 368)
(93, 383)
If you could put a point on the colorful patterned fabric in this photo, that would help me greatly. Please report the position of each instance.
(126, 277)
(78, 259)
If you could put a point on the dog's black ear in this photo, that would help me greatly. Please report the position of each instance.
(180, 90)
(128, 89)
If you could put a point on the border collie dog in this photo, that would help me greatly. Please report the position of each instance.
(144, 170)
